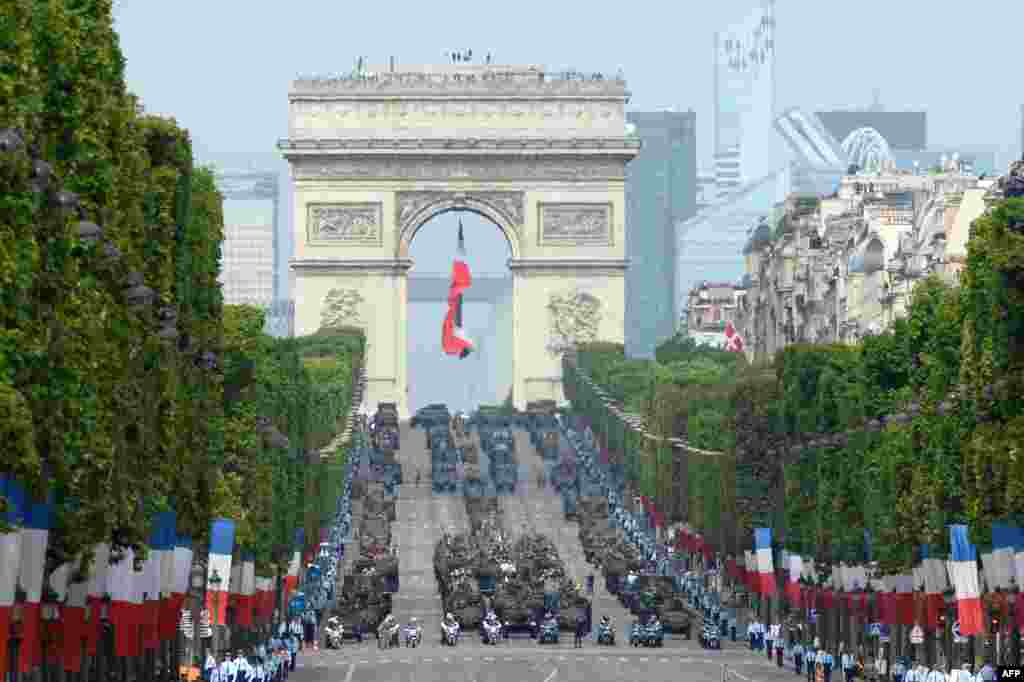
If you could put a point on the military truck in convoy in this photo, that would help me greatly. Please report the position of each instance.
(384, 428)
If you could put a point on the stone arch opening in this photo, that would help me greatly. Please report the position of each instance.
(485, 376)
(500, 211)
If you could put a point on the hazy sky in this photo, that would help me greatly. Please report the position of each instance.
(223, 67)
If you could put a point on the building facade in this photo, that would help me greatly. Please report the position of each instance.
(839, 267)
(710, 306)
(661, 190)
(745, 145)
(252, 252)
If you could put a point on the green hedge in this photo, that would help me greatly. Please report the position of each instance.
(963, 346)
(98, 408)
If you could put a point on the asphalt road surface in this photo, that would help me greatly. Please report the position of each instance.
(420, 519)
(539, 508)
(526, 661)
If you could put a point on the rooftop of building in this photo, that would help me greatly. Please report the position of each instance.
(458, 78)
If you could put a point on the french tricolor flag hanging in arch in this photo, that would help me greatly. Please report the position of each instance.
(182, 575)
(765, 563)
(453, 339)
(218, 570)
(10, 560)
(964, 571)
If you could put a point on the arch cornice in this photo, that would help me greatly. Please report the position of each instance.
(413, 209)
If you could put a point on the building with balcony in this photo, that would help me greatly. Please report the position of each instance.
(709, 307)
(835, 268)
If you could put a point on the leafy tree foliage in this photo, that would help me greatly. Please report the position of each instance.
(952, 370)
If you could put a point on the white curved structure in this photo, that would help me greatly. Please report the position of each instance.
(866, 148)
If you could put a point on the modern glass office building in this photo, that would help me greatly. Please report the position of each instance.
(661, 191)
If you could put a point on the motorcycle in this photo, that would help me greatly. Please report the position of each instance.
(653, 634)
(548, 632)
(605, 634)
(334, 633)
(449, 634)
(412, 634)
(491, 631)
(387, 636)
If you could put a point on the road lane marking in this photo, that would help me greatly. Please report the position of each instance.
(551, 676)
(351, 669)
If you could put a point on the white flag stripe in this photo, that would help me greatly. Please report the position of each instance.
(33, 561)
(965, 579)
(1003, 558)
(59, 580)
(120, 580)
(98, 570)
(182, 569)
(10, 561)
(77, 593)
(221, 564)
(167, 572)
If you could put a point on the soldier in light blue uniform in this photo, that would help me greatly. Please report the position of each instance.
(798, 657)
(829, 664)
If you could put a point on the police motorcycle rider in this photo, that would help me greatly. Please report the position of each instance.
(413, 632)
(549, 623)
(491, 628)
(605, 631)
(334, 632)
(450, 630)
(386, 631)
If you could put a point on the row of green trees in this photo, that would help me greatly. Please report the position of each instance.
(126, 386)
(945, 385)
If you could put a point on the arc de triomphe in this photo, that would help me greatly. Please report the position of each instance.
(376, 155)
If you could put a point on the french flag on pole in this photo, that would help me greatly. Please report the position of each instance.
(97, 591)
(121, 585)
(765, 565)
(167, 616)
(453, 337)
(150, 586)
(74, 623)
(218, 572)
(246, 595)
(291, 581)
(796, 569)
(964, 571)
(1003, 539)
(10, 560)
(35, 534)
(182, 575)
(935, 584)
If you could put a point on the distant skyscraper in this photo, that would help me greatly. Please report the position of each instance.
(745, 145)
(251, 251)
(661, 190)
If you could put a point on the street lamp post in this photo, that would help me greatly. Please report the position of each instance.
(198, 583)
(214, 582)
